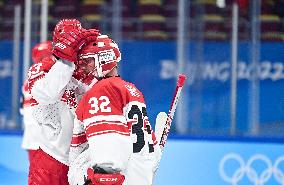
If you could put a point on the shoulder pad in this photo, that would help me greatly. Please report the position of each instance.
(47, 63)
(40, 68)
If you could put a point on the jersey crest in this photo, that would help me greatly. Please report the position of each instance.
(70, 98)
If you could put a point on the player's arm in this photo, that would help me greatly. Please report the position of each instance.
(79, 160)
(52, 85)
(136, 114)
(79, 140)
(49, 78)
(145, 145)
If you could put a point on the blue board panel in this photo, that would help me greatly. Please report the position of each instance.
(184, 162)
(152, 67)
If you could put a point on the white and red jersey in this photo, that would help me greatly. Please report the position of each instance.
(112, 120)
(31, 127)
(56, 94)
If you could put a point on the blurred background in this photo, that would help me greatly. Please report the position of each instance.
(229, 125)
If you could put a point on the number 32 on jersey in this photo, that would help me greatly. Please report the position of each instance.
(101, 103)
(137, 115)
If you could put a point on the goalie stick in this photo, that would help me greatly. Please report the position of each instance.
(163, 121)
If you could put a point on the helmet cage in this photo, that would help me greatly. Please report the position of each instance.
(105, 53)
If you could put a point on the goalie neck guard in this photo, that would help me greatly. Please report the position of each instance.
(105, 53)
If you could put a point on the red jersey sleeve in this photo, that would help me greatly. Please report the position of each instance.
(137, 117)
(27, 97)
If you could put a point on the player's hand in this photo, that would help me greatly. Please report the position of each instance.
(68, 45)
(91, 34)
(95, 178)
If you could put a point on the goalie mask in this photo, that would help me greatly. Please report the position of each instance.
(65, 25)
(102, 55)
(41, 50)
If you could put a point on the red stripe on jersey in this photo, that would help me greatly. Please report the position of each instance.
(146, 122)
(106, 127)
(30, 102)
(78, 139)
(32, 81)
(154, 138)
(106, 121)
(109, 132)
(131, 122)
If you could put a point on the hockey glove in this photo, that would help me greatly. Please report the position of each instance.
(103, 179)
(91, 34)
(68, 45)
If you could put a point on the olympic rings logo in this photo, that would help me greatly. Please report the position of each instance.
(256, 176)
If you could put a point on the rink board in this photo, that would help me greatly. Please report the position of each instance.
(185, 162)
(152, 67)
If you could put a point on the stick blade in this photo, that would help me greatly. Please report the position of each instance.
(161, 120)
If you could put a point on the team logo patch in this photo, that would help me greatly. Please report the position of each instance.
(132, 90)
(106, 56)
(69, 97)
(60, 45)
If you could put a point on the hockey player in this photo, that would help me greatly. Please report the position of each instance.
(113, 142)
(56, 92)
(31, 128)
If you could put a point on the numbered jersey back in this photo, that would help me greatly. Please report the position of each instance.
(117, 106)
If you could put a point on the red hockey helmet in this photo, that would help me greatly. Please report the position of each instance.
(41, 50)
(65, 25)
(105, 53)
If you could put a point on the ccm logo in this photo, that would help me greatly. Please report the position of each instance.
(60, 45)
(108, 179)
